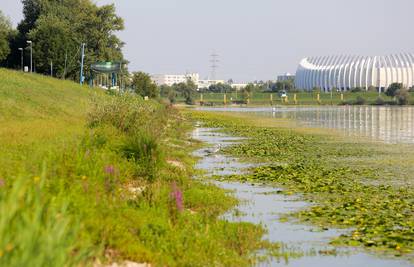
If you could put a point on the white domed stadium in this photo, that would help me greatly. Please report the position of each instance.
(346, 72)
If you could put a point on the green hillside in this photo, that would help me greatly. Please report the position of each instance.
(26, 96)
(88, 177)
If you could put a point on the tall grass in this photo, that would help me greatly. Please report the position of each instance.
(106, 191)
(35, 227)
(143, 149)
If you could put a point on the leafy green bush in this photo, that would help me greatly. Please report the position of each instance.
(393, 88)
(403, 97)
(379, 101)
(356, 89)
(143, 149)
(360, 101)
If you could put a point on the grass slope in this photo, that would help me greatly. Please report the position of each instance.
(85, 177)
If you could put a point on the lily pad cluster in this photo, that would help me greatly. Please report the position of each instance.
(379, 216)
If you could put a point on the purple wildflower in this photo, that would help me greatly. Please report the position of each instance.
(177, 195)
(110, 170)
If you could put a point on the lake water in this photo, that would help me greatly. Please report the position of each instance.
(380, 123)
(260, 205)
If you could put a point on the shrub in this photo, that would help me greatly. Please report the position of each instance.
(316, 89)
(360, 101)
(372, 88)
(143, 149)
(189, 100)
(346, 102)
(125, 112)
(379, 101)
(356, 89)
(402, 97)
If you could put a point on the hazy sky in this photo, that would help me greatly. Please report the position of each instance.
(256, 39)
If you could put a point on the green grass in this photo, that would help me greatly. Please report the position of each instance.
(352, 183)
(86, 176)
(303, 98)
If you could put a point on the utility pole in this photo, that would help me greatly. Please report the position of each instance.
(82, 59)
(214, 65)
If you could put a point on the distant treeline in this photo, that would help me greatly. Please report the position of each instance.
(57, 29)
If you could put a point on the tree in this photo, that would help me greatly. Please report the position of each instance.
(5, 32)
(187, 90)
(393, 88)
(164, 90)
(245, 94)
(143, 85)
(52, 39)
(220, 88)
(249, 88)
(57, 29)
(168, 92)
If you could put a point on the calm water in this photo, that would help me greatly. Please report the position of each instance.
(387, 124)
(263, 206)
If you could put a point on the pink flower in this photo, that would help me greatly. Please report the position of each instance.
(110, 170)
(177, 195)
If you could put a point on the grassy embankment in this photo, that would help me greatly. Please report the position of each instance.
(353, 184)
(85, 176)
(303, 98)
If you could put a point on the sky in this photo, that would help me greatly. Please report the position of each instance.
(255, 39)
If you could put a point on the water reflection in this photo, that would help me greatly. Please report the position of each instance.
(388, 124)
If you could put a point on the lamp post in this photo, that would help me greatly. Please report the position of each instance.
(82, 61)
(21, 58)
(31, 55)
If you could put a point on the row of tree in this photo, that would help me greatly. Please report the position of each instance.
(57, 29)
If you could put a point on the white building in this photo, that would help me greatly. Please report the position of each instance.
(238, 86)
(287, 76)
(203, 84)
(346, 72)
(170, 79)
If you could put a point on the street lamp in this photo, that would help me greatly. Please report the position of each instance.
(21, 58)
(31, 55)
